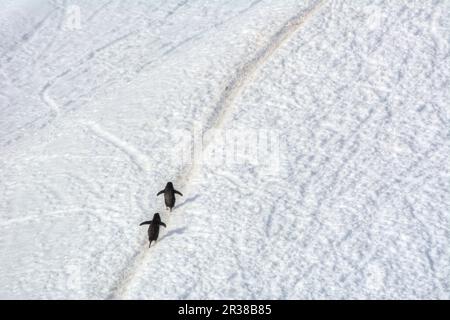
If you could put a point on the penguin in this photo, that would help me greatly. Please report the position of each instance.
(153, 229)
(169, 195)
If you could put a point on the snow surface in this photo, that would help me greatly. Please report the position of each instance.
(351, 201)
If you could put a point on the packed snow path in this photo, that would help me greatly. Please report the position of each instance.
(93, 115)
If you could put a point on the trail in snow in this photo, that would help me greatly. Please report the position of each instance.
(134, 154)
(243, 76)
(238, 82)
(49, 101)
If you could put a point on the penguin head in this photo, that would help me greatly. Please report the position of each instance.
(169, 185)
(156, 216)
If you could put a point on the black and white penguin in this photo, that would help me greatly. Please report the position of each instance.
(153, 229)
(169, 195)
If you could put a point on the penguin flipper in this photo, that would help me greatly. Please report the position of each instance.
(161, 192)
(176, 191)
(146, 222)
(163, 224)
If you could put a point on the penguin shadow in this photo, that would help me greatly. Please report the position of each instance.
(191, 199)
(174, 232)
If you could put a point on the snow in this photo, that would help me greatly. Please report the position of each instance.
(349, 197)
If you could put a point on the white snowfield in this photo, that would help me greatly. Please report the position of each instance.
(102, 101)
